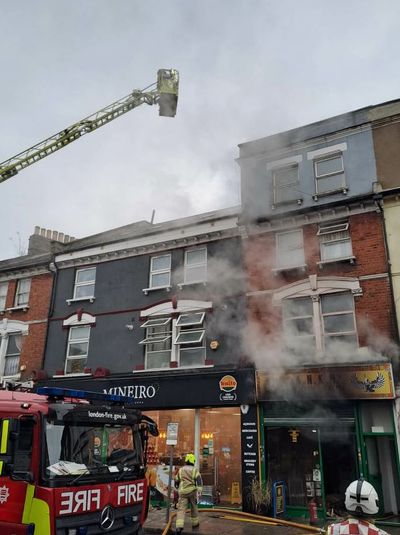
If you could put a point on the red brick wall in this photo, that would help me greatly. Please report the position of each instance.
(368, 247)
(374, 309)
(33, 344)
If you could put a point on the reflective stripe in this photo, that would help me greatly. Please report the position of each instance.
(36, 512)
(4, 436)
(1, 467)
(30, 489)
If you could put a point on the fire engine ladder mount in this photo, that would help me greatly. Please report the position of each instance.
(165, 94)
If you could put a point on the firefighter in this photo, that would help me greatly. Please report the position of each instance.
(361, 501)
(189, 484)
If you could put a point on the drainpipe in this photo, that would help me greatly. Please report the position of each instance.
(378, 200)
(54, 270)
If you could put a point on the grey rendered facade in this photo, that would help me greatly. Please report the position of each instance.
(122, 292)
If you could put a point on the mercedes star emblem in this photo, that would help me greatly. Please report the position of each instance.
(107, 518)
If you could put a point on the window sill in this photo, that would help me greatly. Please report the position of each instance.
(145, 370)
(78, 299)
(349, 259)
(344, 190)
(58, 375)
(301, 267)
(155, 288)
(9, 378)
(182, 284)
(275, 205)
(24, 308)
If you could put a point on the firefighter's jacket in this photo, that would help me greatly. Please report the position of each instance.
(354, 526)
(188, 479)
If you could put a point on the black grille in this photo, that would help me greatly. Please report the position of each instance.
(92, 522)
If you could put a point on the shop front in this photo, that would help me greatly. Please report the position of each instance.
(211, 409)
(327, 427)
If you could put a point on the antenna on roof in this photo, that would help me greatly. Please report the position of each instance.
(152, 216)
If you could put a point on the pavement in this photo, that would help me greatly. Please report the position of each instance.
(217, 523)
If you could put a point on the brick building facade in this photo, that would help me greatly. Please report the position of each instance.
(322, 327)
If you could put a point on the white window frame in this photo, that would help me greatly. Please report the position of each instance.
(298, 264)
(19, 293)
(315, 288)
(318, 323)
(160, 272)
(8, 328)
(341, 173)
(6, 356)
(331, 234)
(199, 321)
(288, 319)
(175, 330)
(278, 188)
(91, 282)
(3, 295)
(187, 267)
(71, 342)
(181, 334)
(337, 313)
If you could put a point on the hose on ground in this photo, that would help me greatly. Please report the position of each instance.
(250, 517)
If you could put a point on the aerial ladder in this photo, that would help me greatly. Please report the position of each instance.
(164, 92)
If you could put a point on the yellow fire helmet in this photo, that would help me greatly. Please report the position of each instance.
(190, 459)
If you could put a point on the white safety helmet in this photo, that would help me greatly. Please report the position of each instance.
(361, 498)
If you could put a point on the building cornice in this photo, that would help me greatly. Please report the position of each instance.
(301, 146)
(151, 244)
(23, 273)
(316, 216)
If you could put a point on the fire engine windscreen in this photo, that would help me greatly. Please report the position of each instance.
(77, 448)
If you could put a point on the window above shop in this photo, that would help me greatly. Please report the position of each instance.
(77, 349)
(329, 172)
(195, 266)
(3, 295)
(290, 250)
(176, 340)
(335, 243)
(84, 285)
(324, 323)
(160, 273)
(21, 300)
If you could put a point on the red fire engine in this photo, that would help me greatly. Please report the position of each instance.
(72, 463)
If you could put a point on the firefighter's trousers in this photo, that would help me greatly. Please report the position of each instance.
(185, 501)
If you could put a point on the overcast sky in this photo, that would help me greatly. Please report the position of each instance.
(248, 68)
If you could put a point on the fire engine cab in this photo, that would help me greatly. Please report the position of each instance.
(72, 463)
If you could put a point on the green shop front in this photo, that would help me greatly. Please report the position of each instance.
(325, 427)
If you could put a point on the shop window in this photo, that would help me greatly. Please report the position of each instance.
(195, 267)
(178, 340)
(77, 349)
(286, 184)
(22, 292)
(160, 271)
(216, 446)
(84, 283)
(289, 249)
(3, 295)
(325, 323)
(335, 242)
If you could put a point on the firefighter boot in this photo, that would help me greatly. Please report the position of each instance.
(178, 531)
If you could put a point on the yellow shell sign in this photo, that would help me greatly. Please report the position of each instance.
(228, 383)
